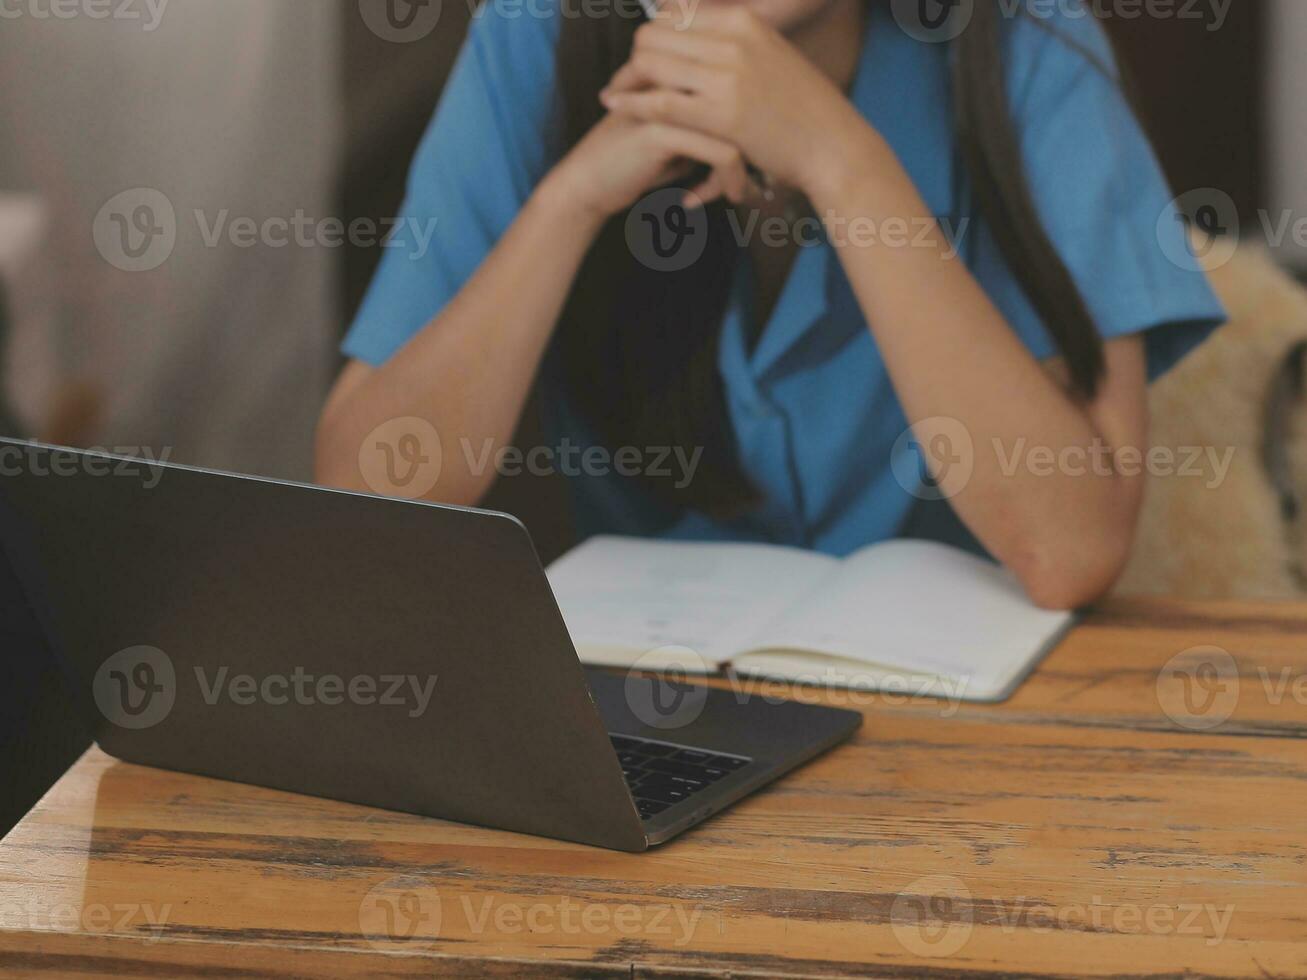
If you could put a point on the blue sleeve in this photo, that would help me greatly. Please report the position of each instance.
(487, 147)
(1101, 194)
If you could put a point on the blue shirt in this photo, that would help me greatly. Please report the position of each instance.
(814, 415)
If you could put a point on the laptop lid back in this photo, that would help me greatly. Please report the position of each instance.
(389, 653)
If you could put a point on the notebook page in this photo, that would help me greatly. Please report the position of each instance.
(622, 597)
(922, 607)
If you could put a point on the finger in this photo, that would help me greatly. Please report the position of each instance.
(678, 169)
(729, 172)
(654, 68)
(662, 105)
(701, 46)
(704, 194)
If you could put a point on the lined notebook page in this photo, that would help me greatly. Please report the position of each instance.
(634, 595)
(921, 607)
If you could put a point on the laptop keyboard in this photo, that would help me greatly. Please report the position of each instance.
(661, 774)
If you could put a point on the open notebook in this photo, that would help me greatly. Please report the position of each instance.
(890, 616)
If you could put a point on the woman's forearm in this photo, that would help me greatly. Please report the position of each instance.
(469, 371)
(1065, 531)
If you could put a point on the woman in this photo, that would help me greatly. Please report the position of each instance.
(788, 371)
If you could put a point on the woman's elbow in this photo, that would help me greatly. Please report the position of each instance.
(1075, 576)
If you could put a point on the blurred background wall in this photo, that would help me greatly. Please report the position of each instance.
(230, 109)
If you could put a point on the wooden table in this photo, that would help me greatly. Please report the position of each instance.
(1094, 825)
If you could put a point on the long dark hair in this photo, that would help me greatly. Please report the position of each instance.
(640, 346)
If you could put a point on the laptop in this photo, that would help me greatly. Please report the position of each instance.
(400, 655)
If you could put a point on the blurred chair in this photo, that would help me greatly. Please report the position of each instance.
(1237, 534)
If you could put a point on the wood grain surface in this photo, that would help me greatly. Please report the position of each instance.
(1138, 809)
